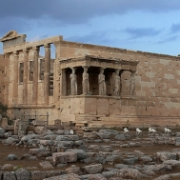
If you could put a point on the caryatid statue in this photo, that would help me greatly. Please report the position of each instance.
(132, 83)
(73, 79)
(117, 83)
(102, 83)
(85, 81)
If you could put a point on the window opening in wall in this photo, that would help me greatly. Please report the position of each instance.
(21, 72)
(51, 77)
(41, 69)
(51, 73)
(41, 62)
(31, 66)
(53, 51)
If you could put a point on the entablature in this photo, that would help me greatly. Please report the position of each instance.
(97, 61)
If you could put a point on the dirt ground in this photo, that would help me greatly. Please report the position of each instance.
(5, 150)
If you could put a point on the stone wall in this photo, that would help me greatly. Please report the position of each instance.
(157, 80)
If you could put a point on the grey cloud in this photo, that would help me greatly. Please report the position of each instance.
(80, 11)
(141, 32)
(175, 28)
(168, 39)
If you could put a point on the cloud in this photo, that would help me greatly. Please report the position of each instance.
(141, 32)
(175, 28)
(168, 39)
(80, 11)
(18, 14)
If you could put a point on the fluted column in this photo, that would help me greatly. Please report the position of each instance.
(132, 83)
(85, 81)
(35, 75)
(25, 90)
(47, 72)
(15, 81)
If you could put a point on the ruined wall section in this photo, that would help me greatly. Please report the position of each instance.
(157, 78)
(24, 83)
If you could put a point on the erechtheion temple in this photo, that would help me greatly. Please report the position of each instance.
(88, 84)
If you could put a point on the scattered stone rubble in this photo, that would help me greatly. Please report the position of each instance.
(92, 155)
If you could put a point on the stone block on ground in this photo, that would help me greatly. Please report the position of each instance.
(9, 175)
(22, 128)
(64, 157)
(46, 165)
(39, 129)
(129, 173)
(38, 175)
(93, 168)
(163, 156)
(64, 177)
(22, 174)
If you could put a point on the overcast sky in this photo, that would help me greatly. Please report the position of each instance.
(144, 25)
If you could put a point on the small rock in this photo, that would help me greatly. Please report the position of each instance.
(93, 169)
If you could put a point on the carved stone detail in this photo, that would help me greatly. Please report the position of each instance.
(73, 78)
(85, 82)
(102, 83)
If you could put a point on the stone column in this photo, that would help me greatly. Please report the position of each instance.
(25, 88)
(117, 82)
(6, 90)
(132, 83)
(16, 81)
(46, 72)
(73, 78)
(102, 83)
(85, 81)
(35, 75)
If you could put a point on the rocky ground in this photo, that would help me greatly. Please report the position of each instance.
(90, 155)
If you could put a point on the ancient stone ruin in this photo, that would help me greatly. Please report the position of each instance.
(87, 84)
(60, 108)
